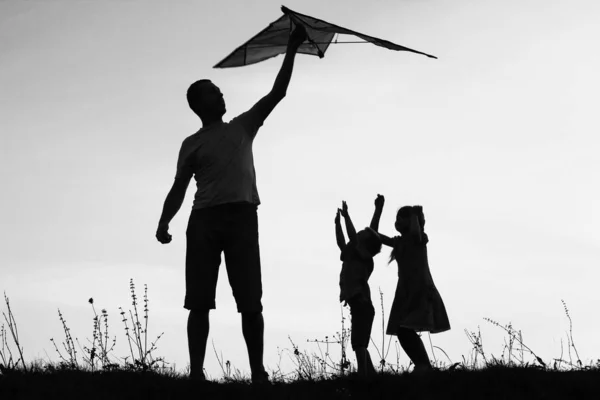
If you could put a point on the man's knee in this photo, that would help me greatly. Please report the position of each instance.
(199, 314)
(251, 315)
(371, 311)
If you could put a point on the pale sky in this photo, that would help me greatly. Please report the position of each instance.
(497, 139)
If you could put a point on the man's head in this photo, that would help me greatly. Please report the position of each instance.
(206, 99)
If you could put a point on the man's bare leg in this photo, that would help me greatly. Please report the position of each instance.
(197, 331)
(253, 328)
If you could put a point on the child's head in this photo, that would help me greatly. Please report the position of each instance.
(404, 215)
(403, 219)
(369, 241)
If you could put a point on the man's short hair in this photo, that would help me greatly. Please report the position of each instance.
(194, 94)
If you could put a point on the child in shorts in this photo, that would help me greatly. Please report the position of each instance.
(357, 266)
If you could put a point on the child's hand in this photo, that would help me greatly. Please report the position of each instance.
(344, 209)
(337, 216)
(379, 202)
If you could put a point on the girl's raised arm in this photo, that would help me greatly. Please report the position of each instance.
(415, 227)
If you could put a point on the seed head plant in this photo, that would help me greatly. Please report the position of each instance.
(8, 362)
(141, 354)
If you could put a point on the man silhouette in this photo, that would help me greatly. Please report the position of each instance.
(223, 217)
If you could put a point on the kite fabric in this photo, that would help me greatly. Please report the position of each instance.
(273, 40)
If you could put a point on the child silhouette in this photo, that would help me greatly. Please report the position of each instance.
(357, 257)
(417, 306)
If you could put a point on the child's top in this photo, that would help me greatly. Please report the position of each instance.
(417, 303)
(355, 274)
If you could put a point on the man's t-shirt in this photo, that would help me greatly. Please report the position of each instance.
(220, 158)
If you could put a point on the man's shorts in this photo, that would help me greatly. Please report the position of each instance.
(231, 229)
(362, 313)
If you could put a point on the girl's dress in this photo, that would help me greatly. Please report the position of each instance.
(417, 304)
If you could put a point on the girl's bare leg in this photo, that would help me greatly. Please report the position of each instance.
(414, 348)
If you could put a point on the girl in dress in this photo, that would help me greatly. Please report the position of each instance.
(417, 306)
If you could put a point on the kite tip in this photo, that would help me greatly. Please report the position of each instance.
(430, 56)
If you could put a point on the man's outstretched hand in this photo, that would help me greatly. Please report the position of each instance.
(162, 234)
(297, 37)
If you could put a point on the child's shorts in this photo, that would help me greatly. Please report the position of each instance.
(362, 313)
(231, 229)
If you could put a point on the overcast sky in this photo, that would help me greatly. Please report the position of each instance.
(497, 139)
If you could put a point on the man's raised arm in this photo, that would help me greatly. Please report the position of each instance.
(263, 108)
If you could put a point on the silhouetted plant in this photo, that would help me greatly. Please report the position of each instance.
(383, 353)
(514, 336)
(141, 358)
(226, 368)
(70, 359)
(98, 353)
(477, 349)
(8, 362)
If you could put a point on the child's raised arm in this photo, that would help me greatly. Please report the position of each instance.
(379, 202)
(339, 234)
(349, 226)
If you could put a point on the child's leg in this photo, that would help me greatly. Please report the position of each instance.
(360, 360)
(414, 348)
(362, 312)
(369, 364)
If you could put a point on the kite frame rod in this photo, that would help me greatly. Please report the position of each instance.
(282, 45)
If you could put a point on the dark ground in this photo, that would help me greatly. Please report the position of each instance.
(490, 383)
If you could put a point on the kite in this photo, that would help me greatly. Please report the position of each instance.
(273, 40)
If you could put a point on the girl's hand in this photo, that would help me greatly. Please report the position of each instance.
(337, 216)
(420, 216)
(379, 202)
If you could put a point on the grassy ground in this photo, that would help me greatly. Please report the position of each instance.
(486, 383)
(92, 371)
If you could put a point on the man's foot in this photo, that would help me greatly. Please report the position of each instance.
(261, 378)
(422, 369)
(197, 377)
